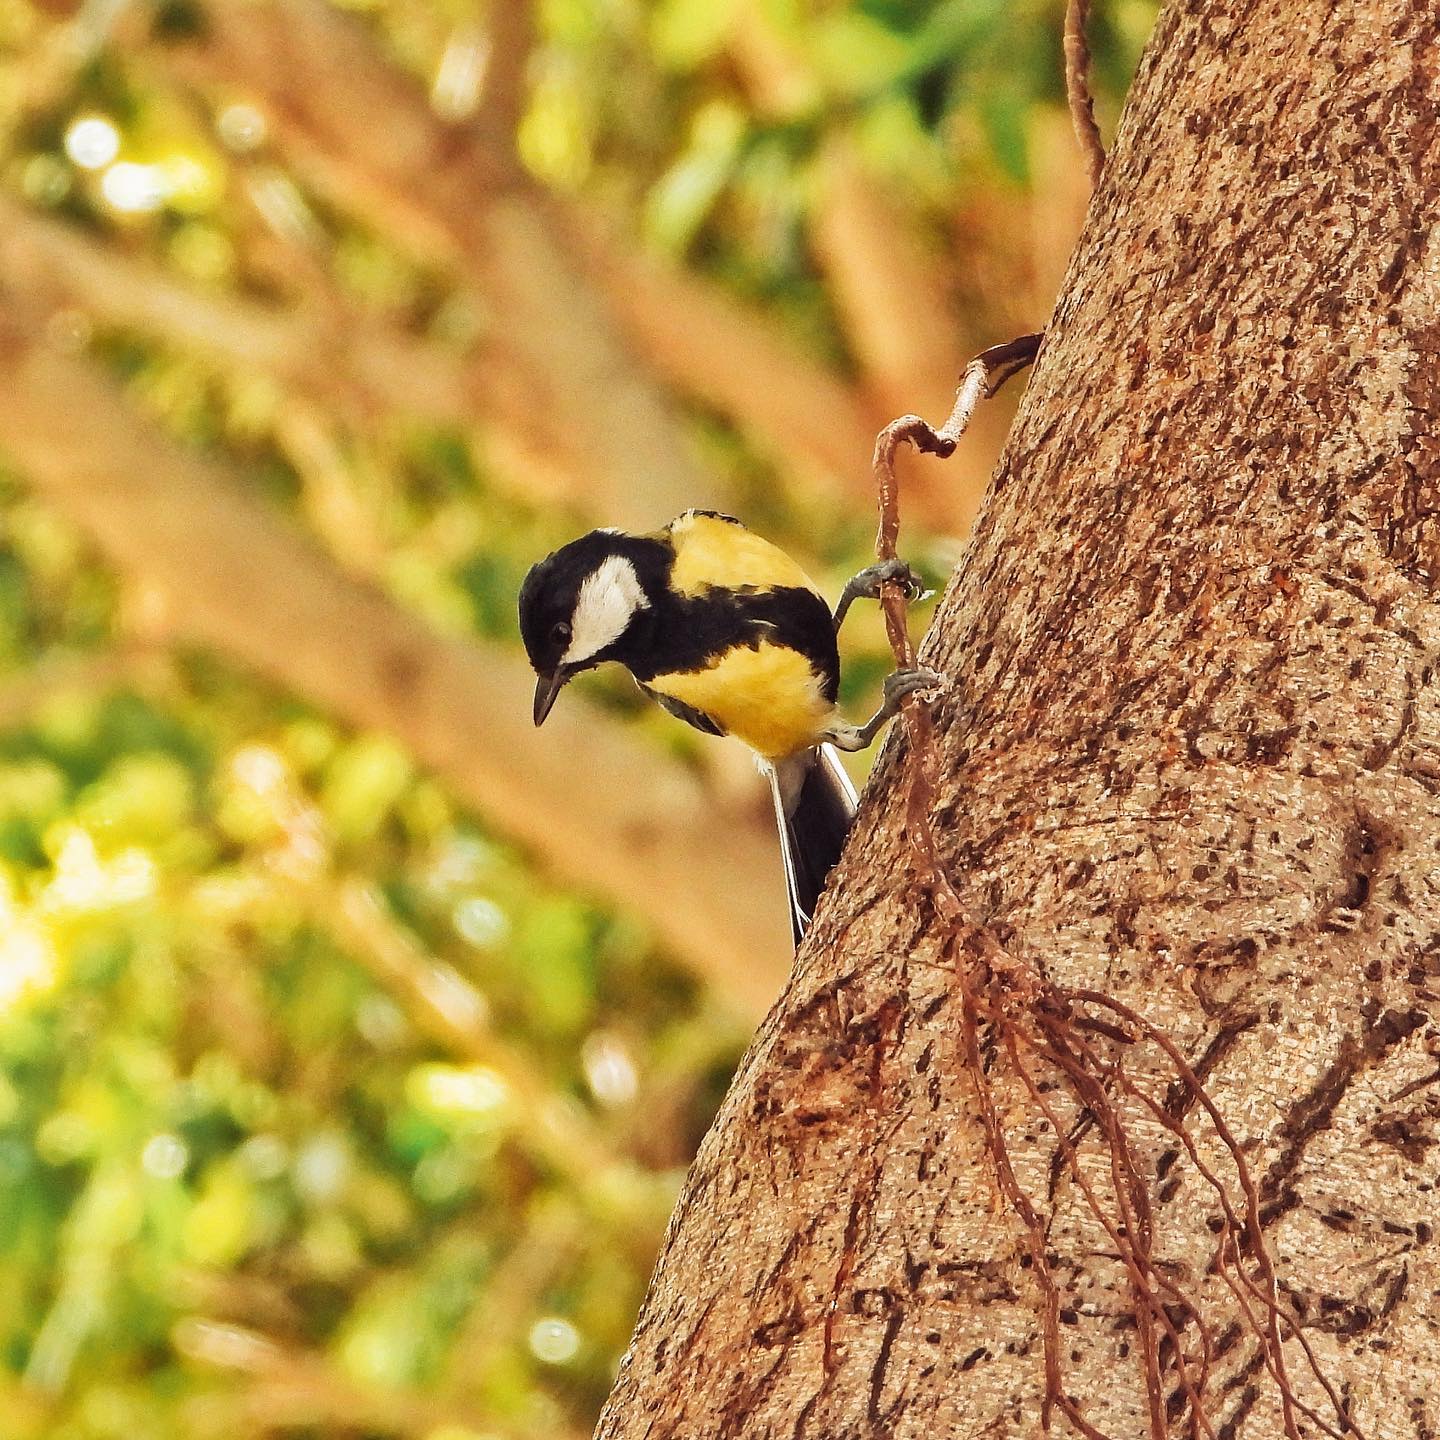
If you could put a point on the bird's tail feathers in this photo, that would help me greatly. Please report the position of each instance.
(814, 807)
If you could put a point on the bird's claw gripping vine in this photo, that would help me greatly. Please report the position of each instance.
(868, 584)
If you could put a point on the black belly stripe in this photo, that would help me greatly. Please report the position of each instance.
(686, 633)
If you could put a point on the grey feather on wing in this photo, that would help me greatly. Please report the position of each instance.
(681, 711)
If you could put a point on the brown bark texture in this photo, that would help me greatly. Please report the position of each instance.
(1190, 759)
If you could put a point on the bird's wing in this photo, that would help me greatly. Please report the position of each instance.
(688, 713)
(839, 777)
(799, 913)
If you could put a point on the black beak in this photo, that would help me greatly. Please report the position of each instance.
(546, 689)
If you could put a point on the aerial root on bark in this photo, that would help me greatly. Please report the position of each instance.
(1091, 1044)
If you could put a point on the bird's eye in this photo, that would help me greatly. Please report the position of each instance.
(560, 633)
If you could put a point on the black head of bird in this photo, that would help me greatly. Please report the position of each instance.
(581, 606)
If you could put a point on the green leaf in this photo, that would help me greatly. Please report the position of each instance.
(685, 33)
(553, 947)
(857, 55)
(141, 799)
(363, 784)
(1004, 114)
(686, 193)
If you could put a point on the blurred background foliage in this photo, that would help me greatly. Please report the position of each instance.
(345, 1084)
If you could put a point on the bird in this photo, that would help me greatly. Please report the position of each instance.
(728, 633)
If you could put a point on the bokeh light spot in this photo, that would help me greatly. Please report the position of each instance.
(27, 961)
(456, 1089)
(264, 1156)
(480, 921)
(135, 189)
(609, 1069)
(45, 180)
(92, 142)
(554, 1341)
(322, 1168)
(241, 127)
(165, 1156)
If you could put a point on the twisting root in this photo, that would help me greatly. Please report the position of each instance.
(1077, 88)
(1028, 1019)
(983, 376)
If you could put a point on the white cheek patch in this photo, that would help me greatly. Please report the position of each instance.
(607, 602)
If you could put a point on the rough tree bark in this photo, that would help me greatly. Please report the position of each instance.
(1190, 757)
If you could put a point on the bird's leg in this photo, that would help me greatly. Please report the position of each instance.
(868, 582)
(899, 685)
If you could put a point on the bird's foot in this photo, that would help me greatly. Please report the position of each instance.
(901, 684)
(868, 583)
(894, 571)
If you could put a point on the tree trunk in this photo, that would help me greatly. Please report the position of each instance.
(1190, 759)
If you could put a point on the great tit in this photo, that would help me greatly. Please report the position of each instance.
(728, 633)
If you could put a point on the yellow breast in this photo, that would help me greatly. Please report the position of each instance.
(769, 697)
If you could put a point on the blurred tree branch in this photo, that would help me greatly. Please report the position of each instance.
(894, 299)
(891, 291)
(735, 359)
(377, 365)
(557, 283)
(894, 293)
(558, 353)
(240, 579)
(293, 345)
(724, 354)
(510, 40)
(288, 1388)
